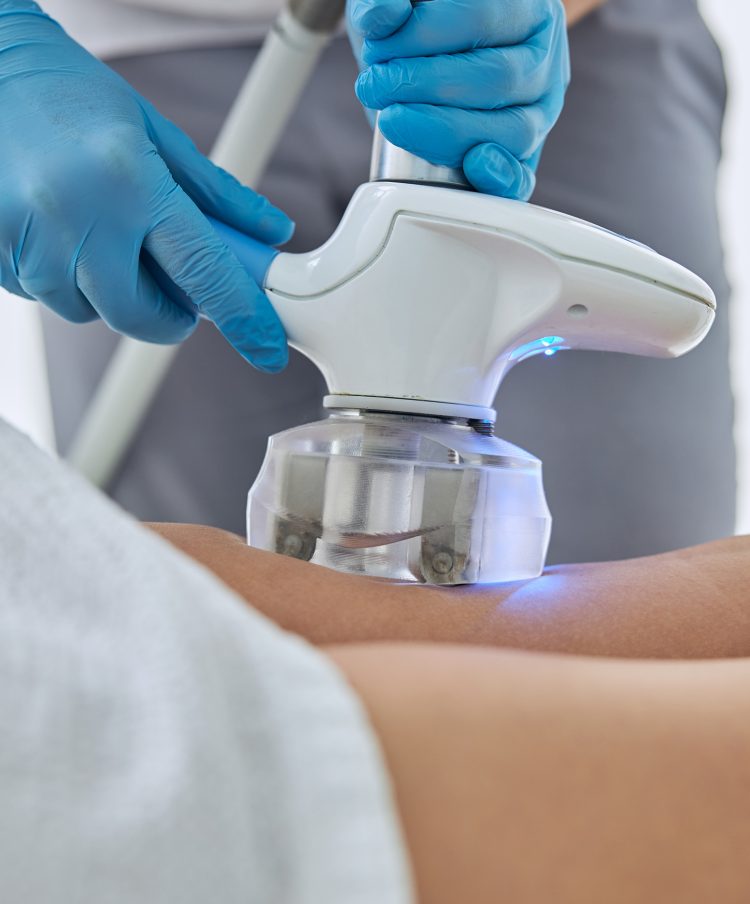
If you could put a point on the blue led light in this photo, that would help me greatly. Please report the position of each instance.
(548, 346)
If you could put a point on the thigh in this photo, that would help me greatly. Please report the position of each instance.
(535, 778)
(205, 436)
(638, 453)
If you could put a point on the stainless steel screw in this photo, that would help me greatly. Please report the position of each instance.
(442, 563)
(292, 545)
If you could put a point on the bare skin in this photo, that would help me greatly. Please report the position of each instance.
(577, 9)
(528, 777)
(689, 604)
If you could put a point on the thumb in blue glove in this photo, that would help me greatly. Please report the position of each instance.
(99, 189)
(476, 84)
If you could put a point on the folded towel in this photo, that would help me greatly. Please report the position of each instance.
(159, 740)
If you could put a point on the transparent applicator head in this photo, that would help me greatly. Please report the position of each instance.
(402, 498)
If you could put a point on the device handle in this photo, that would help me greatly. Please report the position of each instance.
(390, 163)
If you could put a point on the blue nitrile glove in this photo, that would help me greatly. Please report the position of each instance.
(97, 189)
(476, 84)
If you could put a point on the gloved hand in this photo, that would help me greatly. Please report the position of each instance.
(96, 187)
(476, 84)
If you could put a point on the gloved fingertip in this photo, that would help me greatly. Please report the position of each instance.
(271, 224)
(495, 171)
(257, 333)
(267, 349)
(391, 123)
(366, 91)
(499, 167)
(270, 362)
(402, 126)
(378, 19)
(278, 227)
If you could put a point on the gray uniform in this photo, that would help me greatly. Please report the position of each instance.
(638, 454)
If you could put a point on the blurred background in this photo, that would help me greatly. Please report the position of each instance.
(23, 391)
(730, 21)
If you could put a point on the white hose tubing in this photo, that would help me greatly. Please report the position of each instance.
(268, 98)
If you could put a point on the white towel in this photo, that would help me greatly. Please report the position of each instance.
(160, 741)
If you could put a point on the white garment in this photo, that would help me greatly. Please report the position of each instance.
(116, 28)
(161, 742)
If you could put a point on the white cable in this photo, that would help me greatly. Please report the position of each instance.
(118, 407)
(248, 138)
(268, 98)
